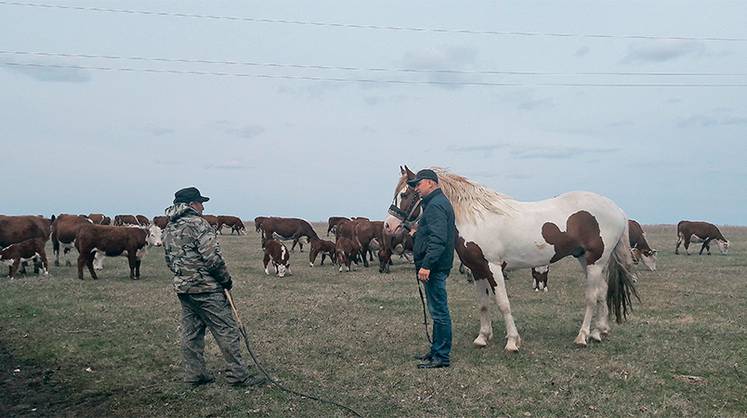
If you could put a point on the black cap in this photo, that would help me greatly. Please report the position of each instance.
(189, 195)
(423, 174)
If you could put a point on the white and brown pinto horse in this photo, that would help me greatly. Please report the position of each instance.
(495, 230)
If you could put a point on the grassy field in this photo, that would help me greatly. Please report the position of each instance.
(111, 347)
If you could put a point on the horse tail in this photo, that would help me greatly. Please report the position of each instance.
(620, 279)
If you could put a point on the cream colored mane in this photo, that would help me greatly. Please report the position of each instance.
(470, 200)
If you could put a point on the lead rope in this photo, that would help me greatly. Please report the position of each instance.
(267, 375)
(425, 317)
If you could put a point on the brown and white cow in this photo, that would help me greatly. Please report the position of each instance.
(324, 247)
(277, 255)
(234, 222)
(99, 218)
(287, 229)
(347, 251)
(539, 278)
(94, 242)
(142, 220)
(333, 221)
(161, 221)
(639, 247)
(703, 230)
(121, 220)
(64, 231)
(31, 249)
(14, 229)
(212, 220)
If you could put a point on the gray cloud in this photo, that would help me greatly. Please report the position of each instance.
(227, 165)
(534, 104)
(158, 130)
(582, 51)
(557, 153)
(168, 162)
(52, 74)
(443, 58)
(245, 131)
(706, 121)
(662, 51)
(486, 150)
(620, 124)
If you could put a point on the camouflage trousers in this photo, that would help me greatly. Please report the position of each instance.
(210, 310)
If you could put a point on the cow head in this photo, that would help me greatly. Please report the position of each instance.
(723, 246)
(154, 236)
(539, 276)
(647, 256)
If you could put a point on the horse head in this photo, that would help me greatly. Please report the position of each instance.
(405, 209)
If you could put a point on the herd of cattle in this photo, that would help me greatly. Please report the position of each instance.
(96, 236)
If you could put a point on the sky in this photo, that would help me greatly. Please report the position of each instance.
(643, 102)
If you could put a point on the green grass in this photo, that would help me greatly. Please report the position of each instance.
(350, 337)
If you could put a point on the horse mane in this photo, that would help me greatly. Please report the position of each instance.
(469, 199)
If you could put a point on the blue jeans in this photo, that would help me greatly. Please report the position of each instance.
(435, 293)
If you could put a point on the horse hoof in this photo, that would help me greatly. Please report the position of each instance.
(581, 341)
(311, 264)
(511, 347)
(596, 336)
(480, 342)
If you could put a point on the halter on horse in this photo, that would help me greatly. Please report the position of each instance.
(498, 230)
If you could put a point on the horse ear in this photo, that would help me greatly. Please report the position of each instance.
(410, 174)
(401, 170)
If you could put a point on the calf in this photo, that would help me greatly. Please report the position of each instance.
(64, 231)
(96, 241)
(703, 230)
(539, 278)
(277, 254)
(347, 251)
(369, 236)
(326, 248)
(14, 229)
(333, 221)
(639, 247)
(400, 245)
(30, 249)
(233, 222)
(161, 221)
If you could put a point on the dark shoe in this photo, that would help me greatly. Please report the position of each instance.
(252, 381)
(205, 380)
(425, 357)
(433, 365)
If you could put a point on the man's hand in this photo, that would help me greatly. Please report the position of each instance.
(423, 275)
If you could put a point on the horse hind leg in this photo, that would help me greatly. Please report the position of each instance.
(602, 328)
(513, 341)
(594, 277)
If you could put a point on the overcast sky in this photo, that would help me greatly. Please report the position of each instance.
(86, 140)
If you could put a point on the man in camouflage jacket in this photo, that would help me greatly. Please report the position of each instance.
(200, 276)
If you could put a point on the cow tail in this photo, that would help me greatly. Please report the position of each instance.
(621, 279)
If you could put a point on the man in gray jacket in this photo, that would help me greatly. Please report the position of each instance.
(200, 277)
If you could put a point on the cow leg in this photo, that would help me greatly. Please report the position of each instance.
(293, 247)
(14, 268)
(266, 262)
(323, 256)
(132, 261)
(138, 262)
(706, 246)
(687, 244)
(312, 256)
(680, 238)
(364, 254)
(44, 263)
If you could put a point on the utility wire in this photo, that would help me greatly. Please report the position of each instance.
(349, 68)
(369, 80)
(372, 27)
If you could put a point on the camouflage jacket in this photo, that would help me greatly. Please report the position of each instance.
(193, 253)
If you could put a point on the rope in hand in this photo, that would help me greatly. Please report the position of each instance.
(425, 317)
(267, 375)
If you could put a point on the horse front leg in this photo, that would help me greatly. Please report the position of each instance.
(513, 340)
(482, 289)
(593, 277)
(602, 328)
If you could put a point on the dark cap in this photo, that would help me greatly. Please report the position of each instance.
(424, 174)
(189, 195)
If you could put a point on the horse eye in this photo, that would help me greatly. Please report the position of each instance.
(402, 194)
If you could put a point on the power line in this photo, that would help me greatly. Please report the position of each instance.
(349, 68)
(371, 81)
(372, 27)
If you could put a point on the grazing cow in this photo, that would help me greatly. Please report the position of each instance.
(703, 230)
(94, 242)
(234, 222)
(121, 220)
(639, 247)
(347, 251)
(288, 229)
(333, 221)
(14, 229)
(212, 220)
(142, 220)
(276, 254)
(64, 231)
(161, 221)
(369, 236)
(30, 249)
(326, 248)
(258, 222)
(539, 278)
(99, 219)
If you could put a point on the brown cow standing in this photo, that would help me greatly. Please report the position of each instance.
(333, 221)
(161, 221)
(142, 220)
(639, 247)
(326, 248)
(401, 245)
(64, 230)
(276, 254)
(703, 230)
(121, 220)
(234, 222)
(96, 241)
(347, 251)
(99, 218)
(14, 229)
(288, 229)
(31, 249)
(369, 236)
